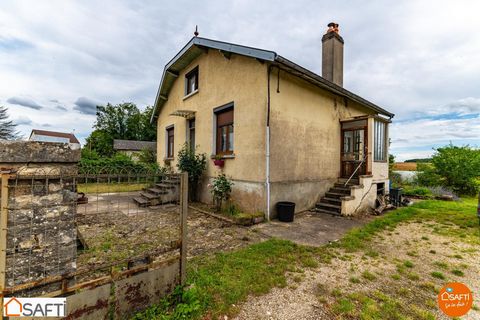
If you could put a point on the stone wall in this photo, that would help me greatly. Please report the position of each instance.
(41, 230)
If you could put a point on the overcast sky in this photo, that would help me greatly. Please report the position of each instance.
(417, 59)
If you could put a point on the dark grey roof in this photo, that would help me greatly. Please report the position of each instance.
(134, 145)
(196, 46)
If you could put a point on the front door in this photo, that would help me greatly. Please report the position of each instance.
(354, 148)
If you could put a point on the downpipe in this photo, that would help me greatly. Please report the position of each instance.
(267, 146)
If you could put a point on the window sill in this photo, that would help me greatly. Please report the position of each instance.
(168, 159)
(224, 156)
(190, 94)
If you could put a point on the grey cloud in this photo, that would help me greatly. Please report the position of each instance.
(86, 106)
(54, 101)
(59, 107)
(467, 105)
(25, 102)
(22, 120)
(46, 125)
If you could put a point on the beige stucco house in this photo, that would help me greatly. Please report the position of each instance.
(285, 133)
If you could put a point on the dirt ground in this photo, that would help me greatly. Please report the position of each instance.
(399, 263)
(114, 228)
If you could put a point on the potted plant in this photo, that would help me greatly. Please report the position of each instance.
(218, 161)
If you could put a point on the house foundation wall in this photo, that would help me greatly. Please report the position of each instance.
(249, 196)
(304, 193)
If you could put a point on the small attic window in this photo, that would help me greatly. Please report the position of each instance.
(191, 81)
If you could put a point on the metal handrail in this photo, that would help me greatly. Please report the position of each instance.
(355, 171)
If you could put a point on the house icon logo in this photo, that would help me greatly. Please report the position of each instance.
(445, 296)
(12, 307)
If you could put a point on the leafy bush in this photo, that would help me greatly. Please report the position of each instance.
(194, 164)
(417, 191)
(452, 166)
(221, 188)
(147, 156)
(92, 163)
(181, 304)
(427, 176)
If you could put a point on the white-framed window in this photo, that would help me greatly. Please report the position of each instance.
(191, 81)
(380, 141)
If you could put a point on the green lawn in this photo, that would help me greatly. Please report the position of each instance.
(109, 187)
(220, 281)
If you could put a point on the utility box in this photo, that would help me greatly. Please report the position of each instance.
(396, 196)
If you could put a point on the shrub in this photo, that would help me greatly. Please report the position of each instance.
(147, 156)
(193, 163)
(452, 166)
(221, 188)
(92, 163)
(417, 191)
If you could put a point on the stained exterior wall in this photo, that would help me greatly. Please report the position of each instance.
(240, 80)
(305, 140)
(41, 230)
(305, 131)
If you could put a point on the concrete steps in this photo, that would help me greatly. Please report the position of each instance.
(165, 191)
(331, 203)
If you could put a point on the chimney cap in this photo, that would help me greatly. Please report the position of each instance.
(332, 27)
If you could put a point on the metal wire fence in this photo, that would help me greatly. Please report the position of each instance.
(64, 228)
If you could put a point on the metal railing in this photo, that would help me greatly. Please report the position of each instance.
(355, 171)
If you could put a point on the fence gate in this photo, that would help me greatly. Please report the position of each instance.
(112, 243)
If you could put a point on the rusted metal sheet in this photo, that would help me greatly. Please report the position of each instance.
(90, 304)
(141, 290)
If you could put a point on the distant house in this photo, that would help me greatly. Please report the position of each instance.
(132, 148)
(53, 136)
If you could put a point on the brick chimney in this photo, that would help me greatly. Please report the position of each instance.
(332, 55)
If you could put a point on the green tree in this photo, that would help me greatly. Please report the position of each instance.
(454, 167)
(8, 129)
(193, 163)
(101, 142)
(147, 156)
(123, 121)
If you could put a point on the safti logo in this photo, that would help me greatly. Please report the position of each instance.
(455, 299)
(34, 307)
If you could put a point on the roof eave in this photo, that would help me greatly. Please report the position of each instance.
(322, 82)
(169, 71)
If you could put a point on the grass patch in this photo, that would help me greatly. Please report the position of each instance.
(413, 276)
(408, 264)
(395, 276)
(225, 279)
(454, 213)
(354, 280)
(438, 275)
(343, 306)
(368, 275)
(110, 187)
(458, 272)
(441, 264)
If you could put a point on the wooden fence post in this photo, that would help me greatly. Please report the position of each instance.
(183, 226)
(3, 234)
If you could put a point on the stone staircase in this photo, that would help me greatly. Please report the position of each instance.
(166, 191)
(331, 203)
